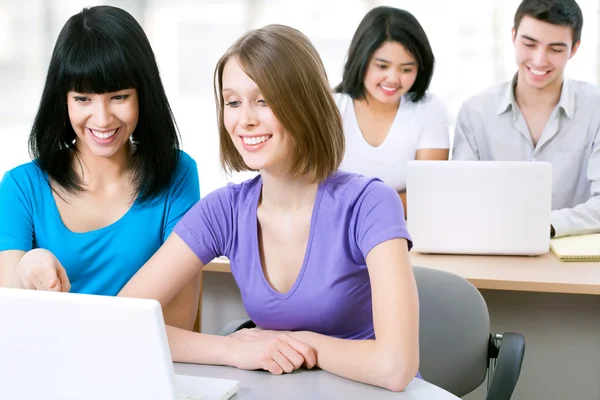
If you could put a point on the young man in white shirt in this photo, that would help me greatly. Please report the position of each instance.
(543, 116)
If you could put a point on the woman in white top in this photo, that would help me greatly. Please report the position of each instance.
(389, 116)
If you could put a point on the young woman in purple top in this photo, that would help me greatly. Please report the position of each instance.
(320, 256)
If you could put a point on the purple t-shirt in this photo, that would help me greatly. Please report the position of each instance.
(332, 293)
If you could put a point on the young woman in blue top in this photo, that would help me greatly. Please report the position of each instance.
(108, 181)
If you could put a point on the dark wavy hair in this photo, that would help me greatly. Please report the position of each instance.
(102, 50)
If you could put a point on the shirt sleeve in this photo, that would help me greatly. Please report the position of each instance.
(584, 218)
(436, 133)
(183, 194)
(465, 145)
(207, 228)
(16, 214)
(379, 217)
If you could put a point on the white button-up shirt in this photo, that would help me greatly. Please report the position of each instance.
(490, 126)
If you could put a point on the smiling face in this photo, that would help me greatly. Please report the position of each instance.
(104, 122)
(542, 51)
(256, 133)
(391, 73)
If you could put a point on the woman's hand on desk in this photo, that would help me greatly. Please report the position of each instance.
(276, 352)
(39, 269)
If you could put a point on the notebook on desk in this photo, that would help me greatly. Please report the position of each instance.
(577, 248)
(64, 346)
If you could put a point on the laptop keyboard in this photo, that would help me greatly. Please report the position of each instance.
(191, 396)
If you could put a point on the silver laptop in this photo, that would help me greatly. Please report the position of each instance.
(479, 207)
(64, 346)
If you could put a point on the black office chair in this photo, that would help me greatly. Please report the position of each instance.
(457, 350)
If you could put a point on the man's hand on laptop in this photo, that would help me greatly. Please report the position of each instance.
(39, 269)
(273, 351)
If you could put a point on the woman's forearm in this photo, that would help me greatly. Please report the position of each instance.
(182, 311)
(9, 259)
(199, 348)
(364, 361)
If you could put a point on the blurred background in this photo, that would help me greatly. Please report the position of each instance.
(471, 40)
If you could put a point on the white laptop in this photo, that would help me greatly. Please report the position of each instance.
(479, 207)
(64, 346)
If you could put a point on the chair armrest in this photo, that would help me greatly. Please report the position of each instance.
(236, 325)
(508, 366)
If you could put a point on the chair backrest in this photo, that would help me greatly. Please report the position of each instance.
(454, 331)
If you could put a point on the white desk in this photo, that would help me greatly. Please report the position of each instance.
(305, 384)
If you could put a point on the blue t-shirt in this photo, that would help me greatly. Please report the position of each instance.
(101, 261)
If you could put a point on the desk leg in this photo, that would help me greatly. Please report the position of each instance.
(198, 324)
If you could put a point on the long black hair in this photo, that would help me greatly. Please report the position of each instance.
(102, 50)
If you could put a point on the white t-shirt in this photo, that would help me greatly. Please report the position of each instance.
(421, 125)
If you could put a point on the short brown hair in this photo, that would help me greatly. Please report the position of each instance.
(290, 75)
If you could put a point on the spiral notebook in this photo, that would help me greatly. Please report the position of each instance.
(577, 248)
